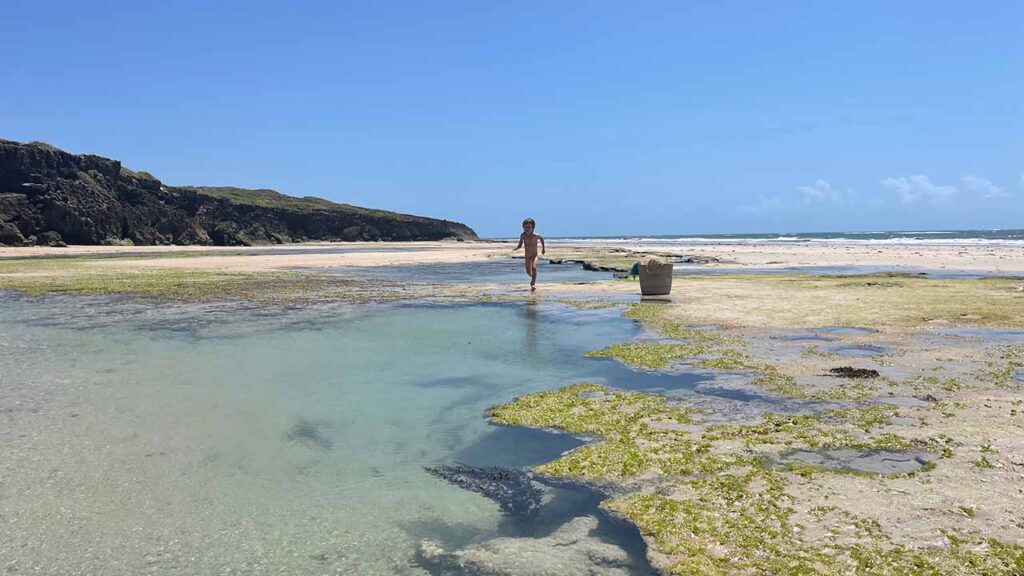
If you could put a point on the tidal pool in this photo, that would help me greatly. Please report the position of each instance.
(871, 462)
(993, 334)
(803, 337)
(495, 270)
(229, 439)
(857, 350)
(845, 330)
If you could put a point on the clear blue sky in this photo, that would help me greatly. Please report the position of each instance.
(593, 117)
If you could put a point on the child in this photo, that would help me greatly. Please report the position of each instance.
(529, 239)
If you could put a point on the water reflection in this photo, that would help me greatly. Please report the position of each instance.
(531, 311)
(293, 438)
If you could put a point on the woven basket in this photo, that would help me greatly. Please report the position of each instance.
(655, 276)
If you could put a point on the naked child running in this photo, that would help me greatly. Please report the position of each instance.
(529, 239)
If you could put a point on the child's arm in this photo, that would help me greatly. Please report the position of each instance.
(520, 243)
(542, 249)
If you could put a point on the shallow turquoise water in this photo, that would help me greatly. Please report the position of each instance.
(992, 334)
(227, 439)
(495, 270)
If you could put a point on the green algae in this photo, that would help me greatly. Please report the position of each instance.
(727, 361)
(713, 350)
(588, 409)
(1004, 371)
(655, 317)
(191, 285)
(983, 462)
(640, 432)
(77, 276)
(866, 418)
(741, 523)
(835, 429)
(811, 301)
(590, 304)
(725, 524)
(633, 429)
(724, 512)
(651, 355)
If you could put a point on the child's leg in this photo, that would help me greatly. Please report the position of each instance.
(533, 271)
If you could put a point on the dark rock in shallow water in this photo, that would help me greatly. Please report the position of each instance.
(851, 372)
(305, 432)
(698, 259)
(85, 199)
(513, 490)
(587, 265)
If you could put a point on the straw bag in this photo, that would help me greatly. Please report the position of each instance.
(655, 276)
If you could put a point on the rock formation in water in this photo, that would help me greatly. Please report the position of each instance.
(513, 490)
(50, 197)
(571, 550)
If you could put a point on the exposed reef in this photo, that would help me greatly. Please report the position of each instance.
(888, 475)
(617, 259)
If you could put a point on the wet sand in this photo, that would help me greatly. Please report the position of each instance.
(990, 259)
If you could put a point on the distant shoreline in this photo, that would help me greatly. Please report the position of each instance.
(951, 259)
(1009, 237)
(988, 233)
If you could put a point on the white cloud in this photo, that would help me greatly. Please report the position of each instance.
(823, 191)
(820, 192)
(913, 189)
(919, 188)
(982, 187)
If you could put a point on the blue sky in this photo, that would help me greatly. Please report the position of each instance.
(593, 117)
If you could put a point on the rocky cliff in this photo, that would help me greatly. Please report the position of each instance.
(51, 197)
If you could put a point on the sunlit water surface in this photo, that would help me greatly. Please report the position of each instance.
(230, 439)
(494, 270)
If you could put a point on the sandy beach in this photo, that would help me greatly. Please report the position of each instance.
(999, 259)
(981, 258)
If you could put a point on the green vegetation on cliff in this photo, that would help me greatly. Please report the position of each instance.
(267, 198)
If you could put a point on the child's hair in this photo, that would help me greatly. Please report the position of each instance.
(529, 221)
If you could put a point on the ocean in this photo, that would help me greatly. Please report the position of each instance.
(1013, 237)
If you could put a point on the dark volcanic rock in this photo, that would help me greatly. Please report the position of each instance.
(9, 234)
(698, 259)
(513, 490)
(56, 197)
(308, 433)
(851, 372)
